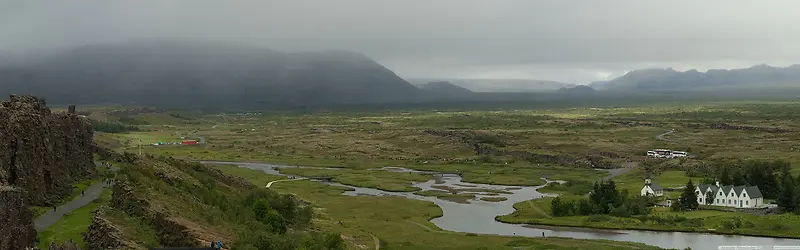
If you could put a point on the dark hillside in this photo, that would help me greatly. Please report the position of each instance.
(205, 75)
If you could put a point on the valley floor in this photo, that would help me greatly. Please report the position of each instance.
(508, 147)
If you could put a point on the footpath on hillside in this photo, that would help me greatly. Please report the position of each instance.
(90, 194)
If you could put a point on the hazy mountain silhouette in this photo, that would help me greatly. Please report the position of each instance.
(756, 77)
(194, 74)
(445, 89)
(501, 85)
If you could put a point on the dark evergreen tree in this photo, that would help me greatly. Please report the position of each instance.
(725, 177)
(710, 196)
(786, 199)
(688, 199)
(585, 207)
(739, 178)
(556, 207)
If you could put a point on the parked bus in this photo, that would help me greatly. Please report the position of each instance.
(678, 154)
(663, 153)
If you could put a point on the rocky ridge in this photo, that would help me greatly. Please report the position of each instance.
(40, 152)
(41, 155)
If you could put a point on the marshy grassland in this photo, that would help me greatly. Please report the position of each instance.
(506, 147)
(374, 139)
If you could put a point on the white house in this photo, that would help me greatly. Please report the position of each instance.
(651, 188)
(729, 196)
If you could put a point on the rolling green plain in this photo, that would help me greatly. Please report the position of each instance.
(444, 141)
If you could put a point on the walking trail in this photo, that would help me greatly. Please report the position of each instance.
(90, 194)
(377, 242)
(661, 136)
(296, 179)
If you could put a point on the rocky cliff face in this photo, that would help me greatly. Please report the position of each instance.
(102, 234)
(40, 152)
(41, 155)
(16, 222)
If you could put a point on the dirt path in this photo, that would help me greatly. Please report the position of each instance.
(52, 216)
(296, 179)
(661, 136)
(377, 242)
(538, 210)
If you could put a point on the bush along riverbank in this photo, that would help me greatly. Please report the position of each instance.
(538, 212)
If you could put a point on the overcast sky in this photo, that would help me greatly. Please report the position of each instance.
(571, 41)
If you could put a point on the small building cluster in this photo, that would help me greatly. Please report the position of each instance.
(715, 195)
(666, 153)
(729, 196)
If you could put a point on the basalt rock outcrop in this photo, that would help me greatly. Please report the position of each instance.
(16, 222)
(170, 232)
(102, 234)
(42, 153)
(724, 126)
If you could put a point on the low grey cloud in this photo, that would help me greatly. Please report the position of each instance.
(573, 41)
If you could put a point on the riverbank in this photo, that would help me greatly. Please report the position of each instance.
(402, 181)
(537, 212)
(403, 223)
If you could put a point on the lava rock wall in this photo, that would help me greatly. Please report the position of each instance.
(43, 153)
(16, 222)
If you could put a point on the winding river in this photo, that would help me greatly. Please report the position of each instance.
(481, 216)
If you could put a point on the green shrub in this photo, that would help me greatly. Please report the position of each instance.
(598, 218)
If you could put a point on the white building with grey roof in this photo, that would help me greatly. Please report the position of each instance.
(651, 188)
(729, 196)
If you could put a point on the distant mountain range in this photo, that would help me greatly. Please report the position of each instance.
(179, 74)
(223, 76)
(445, 89)
(758, 77)
(501, 85)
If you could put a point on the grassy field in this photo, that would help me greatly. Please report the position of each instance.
(589, 137)
(661, 219)
(494, 199)
(401, 223)
(383, 180)
(72, 224)
(373, 139)
(634, 180)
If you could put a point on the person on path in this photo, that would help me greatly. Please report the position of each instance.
(219, 244)
(82, 192)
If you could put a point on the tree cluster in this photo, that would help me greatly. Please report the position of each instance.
(604, 199)
(111, 127)
(789, 196)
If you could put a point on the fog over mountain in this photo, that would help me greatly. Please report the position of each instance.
(197, 74)
(564, 41)
(274, 54)
(501, 85)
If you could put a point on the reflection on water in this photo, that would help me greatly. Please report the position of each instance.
(481, 215)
